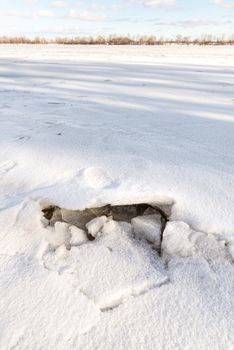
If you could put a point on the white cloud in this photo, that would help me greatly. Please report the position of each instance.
(31, 1)
(192, 23)
(223, 3)
(120, 6)
(84, 15)
(157, 3)
(59, 4)
(44, 13)
(28, 14)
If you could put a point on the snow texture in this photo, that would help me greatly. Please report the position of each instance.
(82, 127)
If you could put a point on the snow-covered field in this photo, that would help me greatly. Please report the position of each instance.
(82, 127)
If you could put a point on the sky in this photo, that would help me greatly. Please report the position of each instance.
(167, 18)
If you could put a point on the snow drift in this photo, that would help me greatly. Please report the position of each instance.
(83, 128)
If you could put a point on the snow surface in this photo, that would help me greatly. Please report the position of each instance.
(87, 126)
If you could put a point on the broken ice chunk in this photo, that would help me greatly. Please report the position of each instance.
(78, 236)
(148, 227)
(60, 235)
(94, 226)
(176, 239)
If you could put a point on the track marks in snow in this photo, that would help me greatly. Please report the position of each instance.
(56, 103)
(23, 138)
(118, 299)
(6, 166)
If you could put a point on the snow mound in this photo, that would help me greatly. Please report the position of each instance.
(97, 178)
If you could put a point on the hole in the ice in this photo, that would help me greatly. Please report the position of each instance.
(145, 218)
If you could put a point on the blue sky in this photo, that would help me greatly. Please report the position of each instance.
(168, 18)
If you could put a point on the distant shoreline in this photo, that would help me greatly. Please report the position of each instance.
(121, 40)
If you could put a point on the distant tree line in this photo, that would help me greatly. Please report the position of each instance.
(122, 40)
